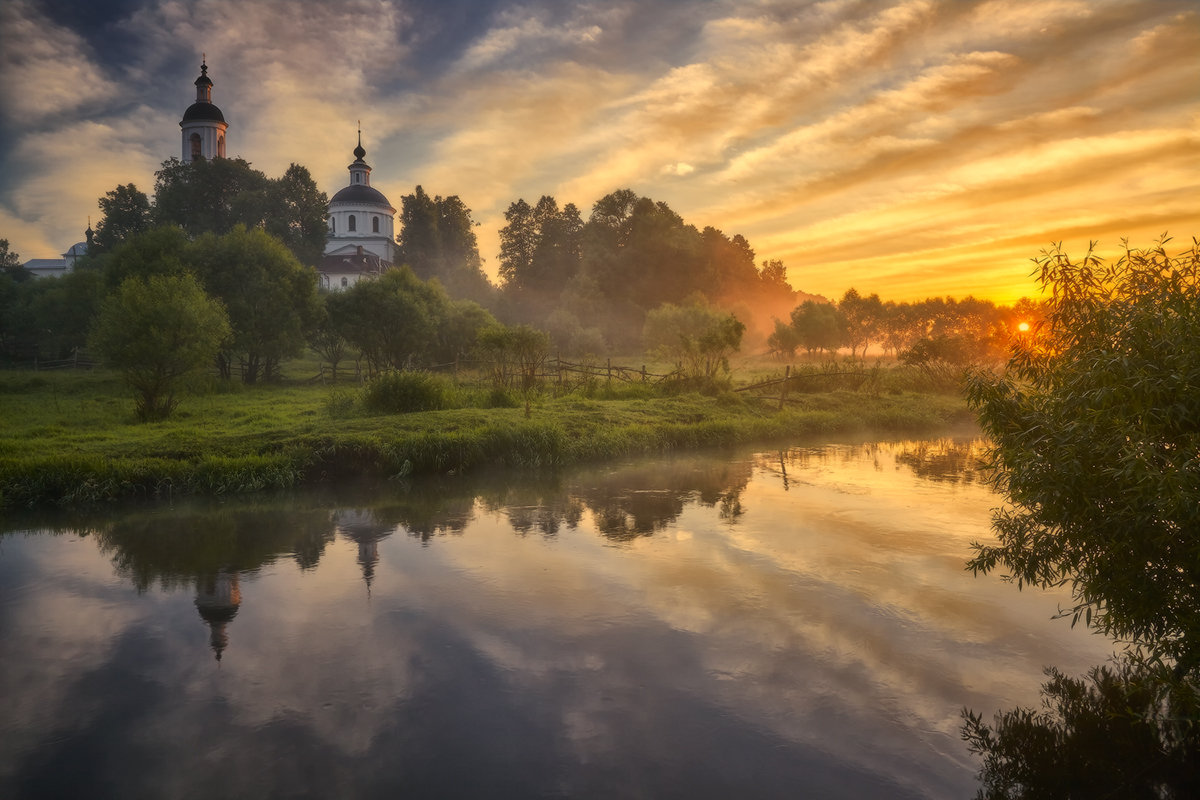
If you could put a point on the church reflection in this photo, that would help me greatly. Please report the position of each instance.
(217, 599)
(210, 549)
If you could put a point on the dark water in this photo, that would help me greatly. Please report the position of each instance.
(788, 623)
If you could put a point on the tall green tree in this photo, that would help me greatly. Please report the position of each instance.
(541, 248)
(159, 333)
(296, 211)
(270, 297)
(125, 213)
(1095, 440)
(209, 196)
(392, 321)
(437, 240)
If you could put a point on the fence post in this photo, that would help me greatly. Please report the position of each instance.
(609, 372)
(643, 373)
(787, 373)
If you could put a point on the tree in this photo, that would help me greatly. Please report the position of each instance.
(861, 317)
(209, 196)
(270, 297)
(437, 240)
(1095, 436)
(159, 333)
(819, 326)
(126, 214)
(392, 321)
(699, 336)
(204, 196)
(516, 355)
(161, 250)
(296, 211)
(8, 260)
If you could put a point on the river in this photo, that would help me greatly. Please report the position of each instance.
(790, 622)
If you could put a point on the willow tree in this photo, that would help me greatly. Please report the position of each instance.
(1096, 442)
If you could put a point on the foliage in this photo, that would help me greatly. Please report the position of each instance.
(271, 299)
(1095, 434)
(158, 333)
(515, 354)
(392, 321)
(437, 240)
(861, 318)
(1095, 440)
(295, 214)
(700, 337)
(8, 260)
(818, 326)
(404, 391)
(204, 196)
(126, 214)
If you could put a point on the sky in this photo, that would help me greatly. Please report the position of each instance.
(913, 149)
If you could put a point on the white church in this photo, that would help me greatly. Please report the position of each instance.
(361, 236)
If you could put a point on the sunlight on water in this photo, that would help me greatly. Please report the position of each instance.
(758, 624)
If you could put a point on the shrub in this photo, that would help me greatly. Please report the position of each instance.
(409, 390)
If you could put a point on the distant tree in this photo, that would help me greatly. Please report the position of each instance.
(8, 260)
(326, 339)
(1094, 442)
(861, 318)
(296, 211)
(158, 333)
(697, 335)
(437, 240)
(819, 326)
(270, 297)
(126, 213)
(784, 340)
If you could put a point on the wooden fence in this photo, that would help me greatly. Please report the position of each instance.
(804, 381)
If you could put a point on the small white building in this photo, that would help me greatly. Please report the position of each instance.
(361, 238)
(57, 267)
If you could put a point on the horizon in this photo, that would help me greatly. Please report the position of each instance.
(977, 135)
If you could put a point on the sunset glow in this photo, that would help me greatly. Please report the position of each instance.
(910, 148)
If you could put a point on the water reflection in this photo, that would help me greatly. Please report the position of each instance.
(748, 624)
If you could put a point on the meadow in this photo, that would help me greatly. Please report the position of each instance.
(71, 437)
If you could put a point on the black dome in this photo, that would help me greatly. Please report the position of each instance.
(360, 193)
(203, 111)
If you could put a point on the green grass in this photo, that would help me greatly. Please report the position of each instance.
(73, 438)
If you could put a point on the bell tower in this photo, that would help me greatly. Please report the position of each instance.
(203, 124)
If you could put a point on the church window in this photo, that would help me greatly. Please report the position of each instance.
(345, 282)
(352, 224)
(375, 225)
(196, 153)
(220, 147)
(333, 224)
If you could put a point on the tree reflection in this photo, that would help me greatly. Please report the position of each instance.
(944, 460)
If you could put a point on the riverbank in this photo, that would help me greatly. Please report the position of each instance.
(71, 438)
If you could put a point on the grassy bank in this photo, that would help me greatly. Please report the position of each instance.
(71, 437)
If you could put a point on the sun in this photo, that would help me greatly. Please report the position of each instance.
(1023, 327)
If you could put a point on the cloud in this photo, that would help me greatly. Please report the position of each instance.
(46, 68)
(770, 118)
